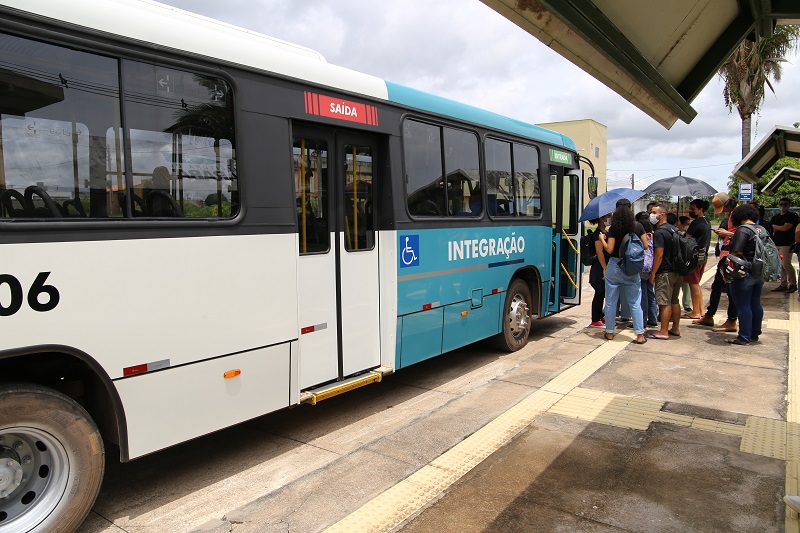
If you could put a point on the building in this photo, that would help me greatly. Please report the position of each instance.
(591, 139)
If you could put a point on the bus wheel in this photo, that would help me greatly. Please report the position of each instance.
(51, 460)
(516, 317)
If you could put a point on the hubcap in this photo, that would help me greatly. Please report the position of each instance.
(34, 471)
(518, 316)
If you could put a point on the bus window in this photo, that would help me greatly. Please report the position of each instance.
(423, 160)
(526, 180)
(311, 183)
(182, 142)
(60, 116)
(359, 229)
(499, 184)
(463, 173)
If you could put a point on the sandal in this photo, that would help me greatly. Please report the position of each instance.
(637, 341)
(609, 336)
(737, 341)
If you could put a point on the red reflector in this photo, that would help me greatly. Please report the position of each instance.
(133, 370)
(426, 307)
(495, 291)
(307, 329)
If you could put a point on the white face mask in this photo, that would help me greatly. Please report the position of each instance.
(607, 221)
(653, 218)
(784, 208)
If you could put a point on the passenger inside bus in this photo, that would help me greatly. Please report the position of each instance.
(159, 201)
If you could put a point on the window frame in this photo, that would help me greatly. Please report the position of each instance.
(121, 53)
(512, 142)
(481, 173)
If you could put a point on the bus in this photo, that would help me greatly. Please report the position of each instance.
(200, 225)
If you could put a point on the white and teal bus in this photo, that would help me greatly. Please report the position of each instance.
(200, 225)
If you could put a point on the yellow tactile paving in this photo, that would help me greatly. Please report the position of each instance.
(608, 408)
(762, 436)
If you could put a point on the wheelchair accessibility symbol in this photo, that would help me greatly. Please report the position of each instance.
(409, 251)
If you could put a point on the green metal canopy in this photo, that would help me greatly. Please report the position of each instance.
(657, 54)
(781, 141)
(786, 174)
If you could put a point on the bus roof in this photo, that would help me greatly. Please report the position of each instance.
(150, 22)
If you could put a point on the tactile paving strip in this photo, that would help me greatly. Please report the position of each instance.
(608, 408)
(777, 323)
(764, 436)
(399, 503)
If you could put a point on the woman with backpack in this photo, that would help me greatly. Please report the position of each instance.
(746, 288)
(628, 286)
(597, 272)
(649, 305)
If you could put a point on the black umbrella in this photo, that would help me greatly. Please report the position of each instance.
(680, 186)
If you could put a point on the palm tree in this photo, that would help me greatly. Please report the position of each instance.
(749, 68)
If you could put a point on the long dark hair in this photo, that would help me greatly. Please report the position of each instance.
(622, 221)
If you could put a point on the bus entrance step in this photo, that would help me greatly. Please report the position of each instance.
(313, 396)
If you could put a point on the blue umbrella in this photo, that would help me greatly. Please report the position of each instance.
(607, 202)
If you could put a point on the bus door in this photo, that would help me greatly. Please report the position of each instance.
(566, 192)
(335, 179)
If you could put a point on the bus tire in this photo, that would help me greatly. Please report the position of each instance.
(516, 317)
(51, 460)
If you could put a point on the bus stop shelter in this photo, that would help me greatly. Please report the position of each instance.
(657, 55)
(781, 141)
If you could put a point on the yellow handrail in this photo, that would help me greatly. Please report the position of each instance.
(569, 241)
(568, 276)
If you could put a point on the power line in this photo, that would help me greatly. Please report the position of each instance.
(671, 168)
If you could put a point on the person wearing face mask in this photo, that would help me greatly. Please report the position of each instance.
(597, 273)
(722, 204)
(699, 230)
(666, 282)
(783, 226)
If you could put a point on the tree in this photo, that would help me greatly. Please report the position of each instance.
(790, 189)
(750, 68)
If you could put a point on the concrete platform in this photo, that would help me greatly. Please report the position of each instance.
(572, 433)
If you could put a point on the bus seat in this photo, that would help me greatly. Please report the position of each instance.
(50, 209)
(7, 200)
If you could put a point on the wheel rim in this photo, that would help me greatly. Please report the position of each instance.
(34, 471)
(518, 316)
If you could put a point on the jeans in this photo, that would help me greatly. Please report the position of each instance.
(649, 305)
(747, 294)
(716, 292)
(630, 289)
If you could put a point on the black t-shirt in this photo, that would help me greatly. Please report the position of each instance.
(662, 238)
(700, 230)
(596, 271)
(744, 240)
(784, 238)
(638, 230)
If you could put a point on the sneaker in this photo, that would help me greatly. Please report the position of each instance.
(779, 288)
(624, 320)
(791, 288)
(597, 324)
(652, 324)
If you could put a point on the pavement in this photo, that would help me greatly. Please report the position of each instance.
(571, 433)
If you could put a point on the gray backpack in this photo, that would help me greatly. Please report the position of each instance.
(766, 264)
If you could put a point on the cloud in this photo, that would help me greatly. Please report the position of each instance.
(467, 52)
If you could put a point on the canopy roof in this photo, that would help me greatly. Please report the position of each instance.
(781, 141)
(656, 54)
(786, 174)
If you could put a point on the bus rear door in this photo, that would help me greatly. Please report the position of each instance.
(335, 180)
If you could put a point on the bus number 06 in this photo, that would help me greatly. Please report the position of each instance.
(37, 288)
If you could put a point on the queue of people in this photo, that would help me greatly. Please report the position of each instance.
(653, 297)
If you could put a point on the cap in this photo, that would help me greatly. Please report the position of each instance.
(719, 202)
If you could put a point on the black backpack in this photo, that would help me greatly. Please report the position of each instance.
(685, 254)
(588, 250)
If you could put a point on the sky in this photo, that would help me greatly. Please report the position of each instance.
(465, 51)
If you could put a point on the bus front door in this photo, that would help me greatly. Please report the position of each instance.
(335, 179)
(566, 193)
